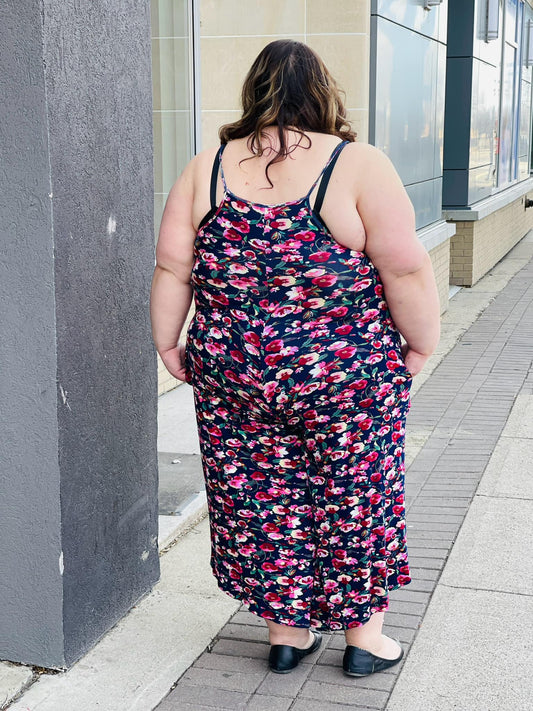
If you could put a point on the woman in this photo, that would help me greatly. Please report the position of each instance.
(300, 247)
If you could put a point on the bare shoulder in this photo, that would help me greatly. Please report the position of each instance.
(370, 157)
(193, 174)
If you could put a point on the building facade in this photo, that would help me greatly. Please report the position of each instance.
(442, 86)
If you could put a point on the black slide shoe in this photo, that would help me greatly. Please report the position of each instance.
(283, 658)
(361, 662)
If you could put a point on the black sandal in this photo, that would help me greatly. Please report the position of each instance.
(283, 658)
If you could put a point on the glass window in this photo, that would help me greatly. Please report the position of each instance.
(507, 115)
(173, 94)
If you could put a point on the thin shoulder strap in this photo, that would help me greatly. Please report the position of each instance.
(326, 175)
(217, 164)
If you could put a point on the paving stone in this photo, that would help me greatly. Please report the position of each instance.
(438, 553)
(407, 594)
(230, 680)
(237, 648)
(310, 705)
(248, 633)
(409, 607)
(426, 563)
(173, 705)
(420, 574)
(341, 694)
(203, 697)
(400, 619)
(243, 617)
(335, 675)
(226, 662)
(259, 702)
(286, 684)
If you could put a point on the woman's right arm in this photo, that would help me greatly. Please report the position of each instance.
(402, 261)
(171, 292)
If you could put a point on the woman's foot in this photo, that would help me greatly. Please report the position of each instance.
(386, 648)
(284, 658)
(362, 662)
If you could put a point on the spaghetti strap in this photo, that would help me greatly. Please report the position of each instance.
(326, 175)
(217, 165)
(333, 157)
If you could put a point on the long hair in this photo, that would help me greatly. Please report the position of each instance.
(290, 87)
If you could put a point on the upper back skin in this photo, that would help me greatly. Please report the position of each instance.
(292, 178)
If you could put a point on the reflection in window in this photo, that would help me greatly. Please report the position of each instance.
(507, 113)
(173, 99)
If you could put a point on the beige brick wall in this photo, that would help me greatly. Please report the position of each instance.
(440, 258)
(477, 246)
(338, 31)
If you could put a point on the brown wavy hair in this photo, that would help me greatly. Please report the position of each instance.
(290, 87)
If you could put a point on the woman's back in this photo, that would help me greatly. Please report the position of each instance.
(292, 179)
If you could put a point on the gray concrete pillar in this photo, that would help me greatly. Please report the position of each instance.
(78, 382)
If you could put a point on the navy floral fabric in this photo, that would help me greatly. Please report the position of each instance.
(301, 396)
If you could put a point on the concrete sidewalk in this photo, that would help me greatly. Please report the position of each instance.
(465, 620)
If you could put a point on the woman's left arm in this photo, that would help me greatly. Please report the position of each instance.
(171, 292)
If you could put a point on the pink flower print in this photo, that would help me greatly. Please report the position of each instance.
(217, 299)
(366, 424)
(308, 358)
(270, 567)
(281, 311)
(338, 312)
(240, 206)
(251, 337)
(330, 585)
(275, 345)
(237, 482)
(218, 283)
(320, 256)
(294, 592)
(374, 358)
(283, 280)
(325, 280)
(238, 268)
(343, 330)
(346, 352)
(361, 285)
(241, 226)
(270, 596)
(273, 358)
(300, 604)
(282, 224)
(312, 273)
(270, 528)
(243, 282)
(233, 236)
(370, 314)
(314, 303)
(215, 348)
(237, 355)
(305, 236)
(247, 550)
(284, 373)
(263, 496)
(259, 244)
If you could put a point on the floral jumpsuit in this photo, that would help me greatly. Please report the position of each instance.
(301, 396)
